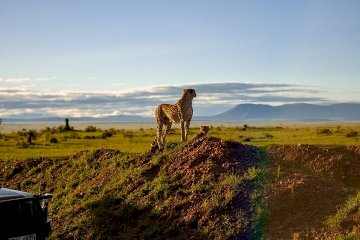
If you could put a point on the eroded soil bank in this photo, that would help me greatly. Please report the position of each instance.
(308, 185)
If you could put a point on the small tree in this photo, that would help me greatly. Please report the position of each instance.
(67, 126)
(29, 135)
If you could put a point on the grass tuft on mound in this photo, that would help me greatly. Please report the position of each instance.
(347, 218)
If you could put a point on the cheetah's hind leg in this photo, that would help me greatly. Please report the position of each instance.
(168, 127)
(158, 135)
(154, 144)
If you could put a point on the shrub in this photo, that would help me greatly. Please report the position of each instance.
(112, 130)
(338, 128)
(60, 128)
(49, 130)
(128, 134)
(22, 144)
(268, 135)
(352, 133)
(54, 140)
(324, 131)
(107, 134)
(29, 135)
(73, 135)
(89, 137)
(64, 129)
(46, 130)
(90, 129)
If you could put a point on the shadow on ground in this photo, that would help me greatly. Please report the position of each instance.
(113, 218)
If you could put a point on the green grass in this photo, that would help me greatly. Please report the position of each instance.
(347, 215)
(140, 194)
(138, 141)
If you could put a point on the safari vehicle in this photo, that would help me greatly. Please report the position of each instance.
(23, 216)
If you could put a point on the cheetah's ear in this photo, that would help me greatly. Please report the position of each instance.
(185, 90)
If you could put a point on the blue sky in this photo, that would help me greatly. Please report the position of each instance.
(71, 49)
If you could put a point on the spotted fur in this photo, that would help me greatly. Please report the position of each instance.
(180, 112)
(202, 132)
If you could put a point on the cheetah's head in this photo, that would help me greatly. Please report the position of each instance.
(190, 92)
(204, 129)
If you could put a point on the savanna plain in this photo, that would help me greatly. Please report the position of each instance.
(240, 181)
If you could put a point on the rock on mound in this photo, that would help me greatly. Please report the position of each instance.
(339, 163)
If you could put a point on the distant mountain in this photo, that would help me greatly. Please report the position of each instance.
(292, 112)
(249, 112)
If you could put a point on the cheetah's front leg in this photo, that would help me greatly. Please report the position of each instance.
(182, 130)
(187, 129)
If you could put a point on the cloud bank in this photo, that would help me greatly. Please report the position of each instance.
(26, 79)
(212, 98)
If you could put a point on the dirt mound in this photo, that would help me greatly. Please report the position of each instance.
(339, 163)
(201, 170)
(201, 190)
(211, 155)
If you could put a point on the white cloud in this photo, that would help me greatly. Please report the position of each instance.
(212, 98)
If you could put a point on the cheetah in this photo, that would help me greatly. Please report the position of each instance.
(180, 112)
(202, 133)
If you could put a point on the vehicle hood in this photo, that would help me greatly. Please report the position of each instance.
(10, 194)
